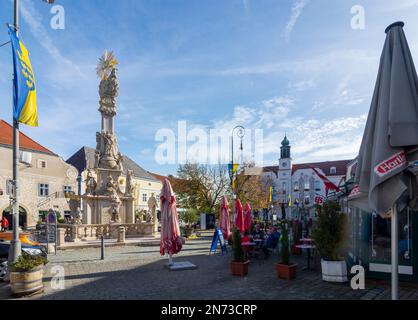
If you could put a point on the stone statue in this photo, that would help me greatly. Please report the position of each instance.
(114, 209)
(91, 183)
(109, 90)
(77, 217)
(111, 186)
(152, 206)
(130, 188)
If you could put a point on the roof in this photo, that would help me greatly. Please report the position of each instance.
(25, 143)
(340, 165)
(158, 176)
(84, 159)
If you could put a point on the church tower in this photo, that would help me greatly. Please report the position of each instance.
(285, 175)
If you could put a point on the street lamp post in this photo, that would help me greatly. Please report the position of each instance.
(240, 132)
(15, 245)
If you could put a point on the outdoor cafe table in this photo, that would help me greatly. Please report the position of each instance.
(308, 247)
(248, 246)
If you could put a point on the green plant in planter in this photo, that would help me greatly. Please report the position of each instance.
(284, 241)
(330, 234)
(27, 262)
(239, 255)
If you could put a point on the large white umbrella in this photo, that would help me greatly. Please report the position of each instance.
(170, 242)
(390, 138)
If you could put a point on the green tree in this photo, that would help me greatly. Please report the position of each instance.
(190, 216)
(330, 234)
(200, 187)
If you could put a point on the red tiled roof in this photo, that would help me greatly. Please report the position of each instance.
(340, 165)
(25, 143)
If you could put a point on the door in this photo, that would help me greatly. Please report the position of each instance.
(22, 217)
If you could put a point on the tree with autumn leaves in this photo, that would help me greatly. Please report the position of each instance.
(201, 187)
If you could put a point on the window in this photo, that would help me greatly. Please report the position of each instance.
(144, 197)
(296, 186)
(317, 185)
(307, 186)
(41, 164)
(43, 190)
(284, 185)
(68, 189)
(333, 170)
(307, 200)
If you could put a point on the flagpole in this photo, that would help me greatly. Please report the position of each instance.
(395, 253)
(15, 245)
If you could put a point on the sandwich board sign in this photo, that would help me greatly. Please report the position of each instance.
(218, 237)
(51, 229)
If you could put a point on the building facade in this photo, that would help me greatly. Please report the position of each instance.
(296, 188)
(46, 181)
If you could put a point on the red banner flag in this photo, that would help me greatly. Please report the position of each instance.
(328, 184)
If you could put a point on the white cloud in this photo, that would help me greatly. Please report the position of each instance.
(297, 9)
(301, 85)
(34, 20)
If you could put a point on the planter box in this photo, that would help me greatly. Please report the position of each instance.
(334, 271)
(26, 282)
(239, 268)
(287, 272)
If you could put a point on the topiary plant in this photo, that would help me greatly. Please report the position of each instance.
(237, 246)
(284, 240)
(330, 234)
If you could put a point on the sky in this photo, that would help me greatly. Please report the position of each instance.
(294, 67)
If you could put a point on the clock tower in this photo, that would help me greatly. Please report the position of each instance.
(285, 175)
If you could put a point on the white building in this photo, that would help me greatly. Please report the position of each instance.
(298, 184)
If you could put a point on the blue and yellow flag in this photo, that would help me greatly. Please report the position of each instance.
(24, 95)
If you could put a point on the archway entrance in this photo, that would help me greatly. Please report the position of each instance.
(7, 213)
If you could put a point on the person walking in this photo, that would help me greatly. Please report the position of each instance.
(4, 224)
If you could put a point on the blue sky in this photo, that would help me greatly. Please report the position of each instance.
(284, 66)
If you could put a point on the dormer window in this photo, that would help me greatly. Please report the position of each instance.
(333, 170)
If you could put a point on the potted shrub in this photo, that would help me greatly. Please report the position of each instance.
(26, 274)
(296, 235)
(330, 237)
(285, 269)
(239, 266)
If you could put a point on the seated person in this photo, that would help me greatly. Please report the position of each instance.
(272, 241)
(258, 233)
(246, 237)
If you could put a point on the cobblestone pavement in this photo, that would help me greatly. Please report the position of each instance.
(134, 272)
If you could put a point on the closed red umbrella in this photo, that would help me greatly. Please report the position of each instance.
(239, 216)
(247, 217)
(170, 242)
(224, 223)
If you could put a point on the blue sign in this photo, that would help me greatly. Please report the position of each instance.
(218, 237)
